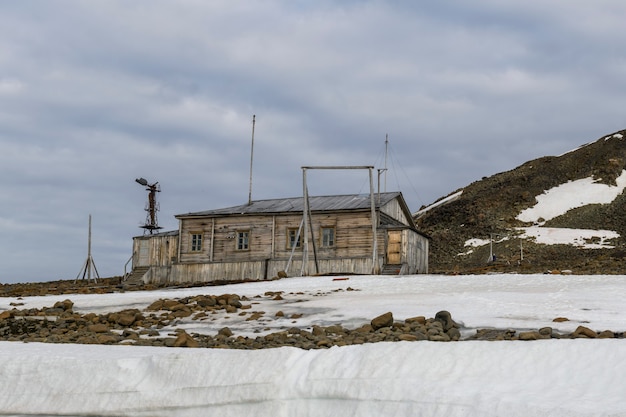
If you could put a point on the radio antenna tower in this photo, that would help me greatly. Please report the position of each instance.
(152, 206)
(89, 265)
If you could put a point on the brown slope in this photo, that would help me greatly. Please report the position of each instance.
(490, 207)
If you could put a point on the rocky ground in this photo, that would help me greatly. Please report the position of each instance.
(490, 206)
(59, 323)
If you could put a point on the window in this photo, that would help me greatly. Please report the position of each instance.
(196, 242)
(328, 237)
(243, 240)
(292, 234)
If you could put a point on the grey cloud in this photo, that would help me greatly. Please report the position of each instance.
(94, 95)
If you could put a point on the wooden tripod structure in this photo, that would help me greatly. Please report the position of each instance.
(89, 265)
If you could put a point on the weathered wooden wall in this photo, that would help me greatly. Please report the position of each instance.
(155, 250)
(254, 270)
(219, 259)
(268, 237)
(415, 252)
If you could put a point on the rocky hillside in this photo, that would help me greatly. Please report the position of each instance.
(488, 210)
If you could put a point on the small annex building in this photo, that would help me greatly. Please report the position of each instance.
(344, 234)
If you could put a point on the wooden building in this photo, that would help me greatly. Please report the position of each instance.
(267, 238)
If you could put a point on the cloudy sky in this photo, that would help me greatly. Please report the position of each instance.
(94, 94)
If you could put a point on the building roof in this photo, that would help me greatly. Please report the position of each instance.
(295, 205)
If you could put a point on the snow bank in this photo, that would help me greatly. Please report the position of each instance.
(469, 378)
(553, 377)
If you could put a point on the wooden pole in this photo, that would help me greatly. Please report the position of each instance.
(305, 212)
(251, 159)
(375, 266)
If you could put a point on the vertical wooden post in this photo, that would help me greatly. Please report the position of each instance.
(305, 212)
(251, 159)
(375, 266)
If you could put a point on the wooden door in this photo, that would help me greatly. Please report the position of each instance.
(394, 247)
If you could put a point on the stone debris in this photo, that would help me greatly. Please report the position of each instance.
(61, 324)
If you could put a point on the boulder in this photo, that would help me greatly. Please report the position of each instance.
(65, 305)
(185, 340)
(225, 331)
(582, 331)
(445, 318)
(384, 320)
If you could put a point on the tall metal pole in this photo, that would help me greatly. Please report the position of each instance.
(251, 159)
(89, 259)
(386, 144)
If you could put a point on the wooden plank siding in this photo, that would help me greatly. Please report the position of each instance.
(268, 222)
(269, 237)
(253, 271)
(155, 250)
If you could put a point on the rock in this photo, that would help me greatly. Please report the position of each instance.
(318, 331)
(546, 332)
(439, 338)
(454, 334)
(418, 320)
(281, 274)
(156, 306)
(98, 328)
(255, 315)
(6, 315)
(582, 331)
(225, 331)
(234, 301)
(560, 319)
(185, 340)
(528, 335)
(445, 318)
(334, 329)
(107, 339)
(127, 317)
(384, 320)
(65, 305)
(205, 301)
(324, 343)
(606, 334)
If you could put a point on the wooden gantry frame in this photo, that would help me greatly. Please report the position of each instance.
(306, 213)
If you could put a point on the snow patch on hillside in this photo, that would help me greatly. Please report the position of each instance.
(559, 200)
(583, 238)
(446, 200)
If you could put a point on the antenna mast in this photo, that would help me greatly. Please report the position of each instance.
(89, 264)
(386, 145)
(152, 207)
(251, 159)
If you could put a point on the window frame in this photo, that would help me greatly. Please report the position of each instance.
(196, 240)
(323, 237)
(289, 242)
(242, 246)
